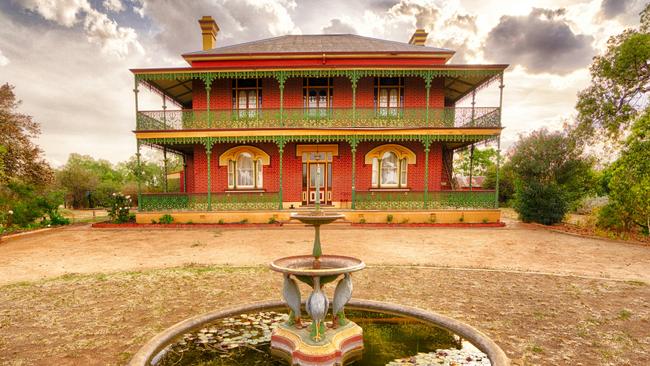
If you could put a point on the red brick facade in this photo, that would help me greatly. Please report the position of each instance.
(197, 180)
(221, 98)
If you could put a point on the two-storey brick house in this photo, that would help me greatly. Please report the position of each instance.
(258, 123)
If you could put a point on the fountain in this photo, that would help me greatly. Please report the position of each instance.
(315, 344)
(263, 334)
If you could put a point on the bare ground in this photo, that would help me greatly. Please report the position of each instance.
(81, 249)
(82, 296)
(537, 319)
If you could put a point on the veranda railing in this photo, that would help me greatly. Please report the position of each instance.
(460, 117)
(364, 200)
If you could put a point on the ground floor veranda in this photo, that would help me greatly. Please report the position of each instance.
(381, 180)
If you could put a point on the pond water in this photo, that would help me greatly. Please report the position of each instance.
(388, 340)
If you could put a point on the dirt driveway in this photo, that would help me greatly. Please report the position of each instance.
(82, 249)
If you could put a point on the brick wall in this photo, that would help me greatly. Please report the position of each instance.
(414, 93)
(415, 175)
(292, 178)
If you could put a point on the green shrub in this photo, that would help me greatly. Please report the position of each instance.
(542, 203)
(221, 222)
(119, 210)
(273, 220)
(166, 219)
(389, 219)
(362, 220)
(244, 221)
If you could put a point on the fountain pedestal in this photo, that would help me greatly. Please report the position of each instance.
(337, 347)
(316, 343)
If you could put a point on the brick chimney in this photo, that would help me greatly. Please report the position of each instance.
(419, 38)
(209, 30)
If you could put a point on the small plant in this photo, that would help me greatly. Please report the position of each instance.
(462, 217)
(244, 221)
(624, 314)
(389, 219)
(166, 219)
(273, 220)
(432, 218)
(190, 222)
(119, 208)
(405, 221)
(362, 220)
(153, 221)
(485, 220)
(221, 222)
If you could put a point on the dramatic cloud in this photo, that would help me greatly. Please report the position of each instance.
(4, 61)
(177, 29)
(626, 11)
(337, 26)
(425, 14)
(113, 5)
(541, 42)
(99, 29)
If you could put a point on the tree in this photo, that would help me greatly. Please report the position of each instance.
(89, 182)
(20, 157)
(507, 180)
(545, 164)
(483, 160)
(619, 88)
(629, 185)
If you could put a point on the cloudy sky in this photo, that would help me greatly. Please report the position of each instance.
(69, 59)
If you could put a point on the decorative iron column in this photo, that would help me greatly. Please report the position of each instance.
(426, 142)
(137, 146)
(353, 146)
(427, 85)
(280, 142)
(281, 77)
(207, 81)
(473, 103)
(354, 78)
(164, 107)
(184, 173)
(496, 187)
(208, 151)
(138, 175)
(471, 165)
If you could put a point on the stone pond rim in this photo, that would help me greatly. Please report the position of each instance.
(496, 355)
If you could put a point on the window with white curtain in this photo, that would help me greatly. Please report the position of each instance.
(245, 172)
(389, 171)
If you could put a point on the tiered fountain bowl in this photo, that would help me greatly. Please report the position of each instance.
(317, 343)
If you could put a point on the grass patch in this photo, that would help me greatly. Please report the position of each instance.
(624, 314)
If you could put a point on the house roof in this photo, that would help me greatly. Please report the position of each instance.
(319, 43)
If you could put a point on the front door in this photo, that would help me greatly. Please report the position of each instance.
(316, 168)
(317, 177)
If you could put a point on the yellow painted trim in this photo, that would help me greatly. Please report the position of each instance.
(354, 216)
(314, 132)
(399, 150)
(233, 153)
(333, 148)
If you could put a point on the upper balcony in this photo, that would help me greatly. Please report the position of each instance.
(313, 118)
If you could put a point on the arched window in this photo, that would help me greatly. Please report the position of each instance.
(245, 167)
(390, 166)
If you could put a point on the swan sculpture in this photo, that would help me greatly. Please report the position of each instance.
(291, 294)
(317, 306)
(342, 294)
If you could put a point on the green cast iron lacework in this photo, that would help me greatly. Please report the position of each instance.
(319, 118)
(311, 139)
(228, 201)
(378, 200)
(353, 75)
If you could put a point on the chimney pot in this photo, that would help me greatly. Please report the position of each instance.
(209, 31)
(419, 38)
